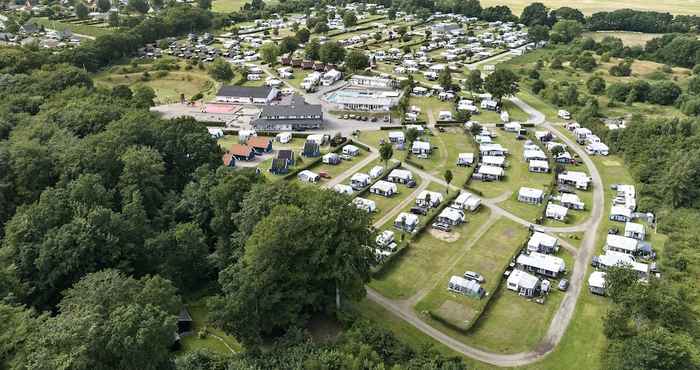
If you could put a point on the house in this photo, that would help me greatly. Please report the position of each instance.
(400, 176)
(246, 95)
(351, 150)
(556, 212)
(450, 216)
(397, 137)
(229, 160)
(538, 166)
(542, 243)
(621, 244)
(242, 152)
(421, 147)
(486, 172)
(406, 222)
(308, 176)
(365, 204)
(540, 263)
(279, 166)
(493, 160)
(530, 195)
(465, 287)
(383, 188)
(465, 159)
(596, 282)
(466, 201)
(296, 116)
(343, 189)
(311, 149)
(579, 179)
(429, 199)
(360, 180)
(571, 201)
(527, 285)
(331, 158)
(376, 172)
(260, 144)
(635, 230)
(620, 214)
(286, 155)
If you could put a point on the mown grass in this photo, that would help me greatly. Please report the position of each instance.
(83, 29)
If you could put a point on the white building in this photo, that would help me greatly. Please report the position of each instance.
(465, 159)
(429, 199)
(359, 180)
(376, 172)
(491, 172)
(421, 147)
(400, 176)
(620, 213)
(543, 243)
(450, 216)
(365, 204)
(406, 222)
(543, 264)
(635, 230)
(596, 282)
(308, 176)
(373, 82)
(383, 188)
(530, 195)
(621, 244)
(578, 179)
(460, 285)
(527, 285)
(538, 166)
(493, 160)
(556, 212)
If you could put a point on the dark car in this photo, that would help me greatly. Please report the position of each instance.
(441, 226)
(563, 285)
(419, 211)
(411, 184)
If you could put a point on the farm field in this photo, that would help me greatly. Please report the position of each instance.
(589, 7)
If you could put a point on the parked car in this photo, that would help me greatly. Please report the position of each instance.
(419, 211)
(346, 157)
(471, 275)
(441, 226)
(324, 175)
(563, 285)
(411, 184)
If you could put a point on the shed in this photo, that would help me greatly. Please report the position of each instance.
(184, 321)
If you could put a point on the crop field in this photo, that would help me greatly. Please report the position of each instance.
(589, 7)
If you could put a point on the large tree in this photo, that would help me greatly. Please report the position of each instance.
(501, 83)
(221, 70)
(331, 52)
(535, 14)
(356, 61)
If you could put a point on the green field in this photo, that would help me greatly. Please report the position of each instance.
(227, 6)
(167, 88)
(589, 7)
(83, 29)
(628, 38)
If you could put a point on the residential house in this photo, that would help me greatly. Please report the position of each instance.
(297, 116)
(596, 282)
(400, 176)
(360, 180)
(246, 95)
(308, 176)
(331, 158)
(538, 166)
(429, 199)
(527, 285)
(530, 195)
(229, 159)
(556, 212)
(542, 264)
(242, 152)
(635, 230)
(383, 188)
(450, 216)
(465, 287)
(260, 144)
(406, 221)
(542, 243)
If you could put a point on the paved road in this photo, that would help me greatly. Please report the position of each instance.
(563, 316)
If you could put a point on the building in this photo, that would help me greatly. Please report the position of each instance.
(421, 147)
(530, 195)
(406, 222)
(400, 176)
(556, 212)
(538, 166)
(260, 144)
(397, 137)
(596, 282)
(297, 116)
(229, 160)
(492, 149)
(493, 160)
(527, 285)
(376, 172)
(466, 201)
(308, 176)
(635, 230)
(246, 95)
(620, 214)
(450, 216)
(311, 149)
(488, 173)
(534, 154)
(429, 199)
(542, 243)
(351, 150)
(465, 159)
(242, 152)
(384, 188)
(331, 158)
(621, 244)
(373, 82)
(578, 179)
(470, 288)
(360, 180)
(543, 264)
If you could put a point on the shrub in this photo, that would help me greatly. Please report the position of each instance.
(664, 93)
(595, 85)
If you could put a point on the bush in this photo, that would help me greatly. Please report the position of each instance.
(618, 91)
(595, 85)
(538, 86)
(664, 93)
(691, 107)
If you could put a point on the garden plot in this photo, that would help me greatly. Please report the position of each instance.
(489, 256)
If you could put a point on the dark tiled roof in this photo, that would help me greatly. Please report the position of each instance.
(297, 108)
(241, 91)
(278, 164)
(285, 154)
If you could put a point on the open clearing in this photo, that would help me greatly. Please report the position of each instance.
(167, 88)
(589, 7)
(628, 38)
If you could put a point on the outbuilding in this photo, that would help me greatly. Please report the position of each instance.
(556, 212)
(527, 285)
(530, 195)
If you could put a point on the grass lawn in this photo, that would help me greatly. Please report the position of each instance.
(426, 257)
(628, 38)
(83, 29)
(573, 238)
(335, 170)
(376, 137)
(449, 144)
(517, 174)
(489, 257)
(486, 116)
(386, 204)
(199, 313)
(589, 7)
(227, 6)
(431, 107)
(526, 211)
(167, 88)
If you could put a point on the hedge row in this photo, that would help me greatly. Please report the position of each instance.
(365, 190)
(314, 162)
